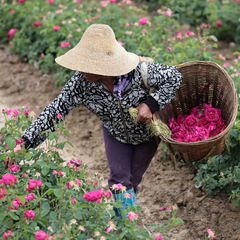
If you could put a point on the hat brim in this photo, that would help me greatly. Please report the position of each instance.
(116, 63)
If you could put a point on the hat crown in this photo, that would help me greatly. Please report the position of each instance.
(99, 38)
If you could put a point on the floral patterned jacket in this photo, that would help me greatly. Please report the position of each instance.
(112, 112)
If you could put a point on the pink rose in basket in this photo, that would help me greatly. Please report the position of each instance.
(180, 119)
(215, 132)
(211, 114)
(190, 122)
(206, 106)
(202, 132)
(221, 123)
(196, 111)
(180, 134)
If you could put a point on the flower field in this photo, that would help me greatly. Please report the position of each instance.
(44, 195)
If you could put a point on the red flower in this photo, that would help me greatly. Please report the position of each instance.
(30, 214)
(190, 122)
(37, 23)
(14, 168)
(9, 179)
(41, 235)
(211, 114)
(33, 184)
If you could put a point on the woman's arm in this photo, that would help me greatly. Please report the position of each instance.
(70, 97)
(166, 80)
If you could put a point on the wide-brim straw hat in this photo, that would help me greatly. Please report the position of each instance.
(98, 52)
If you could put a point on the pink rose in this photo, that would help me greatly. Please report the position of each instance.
(64, 44)
(196, 111)
(19, 142)
(219, 23)
(37, 23)
(9, 179)
(30, 214)
(180, 133)
(160, 238)
(132, 216)
(215, 132)
(14, 168)
(21, 1)
(190, 122)
(33, 184)
(11, 33)
(41, 235)
(30, 197)
(202, 132)
(26, 112)
(211, 114)
(205, 105)
(108, 194)
(7, 234)
(143, 21)
(17, 148)
(73, 201)
(50, 1)
(56, 28)
(221, 123)
(69, 185)
(95, 184)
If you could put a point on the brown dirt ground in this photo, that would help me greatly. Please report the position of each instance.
(162, 186)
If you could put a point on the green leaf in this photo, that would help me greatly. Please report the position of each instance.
(45, 170)
(49, 191)
(45, 212)
(154, 226)
(53, 165)
(67, 133)
(28, 155)
(83, 205)
(53, 215)
(51, 136)
(13, 215)
(213, 38)
(144, 232)
(2, 216)
(78, 216)
(11, 142)
(46, 205)
(57, 192)
(69, 144)
(22, 199)
(54, 226)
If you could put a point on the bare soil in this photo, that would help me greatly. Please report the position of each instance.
(162, 186)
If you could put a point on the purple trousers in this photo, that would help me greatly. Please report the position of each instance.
(128, 162)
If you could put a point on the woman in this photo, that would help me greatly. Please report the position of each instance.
(108, 82)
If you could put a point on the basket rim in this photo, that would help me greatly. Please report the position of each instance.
(232, 121)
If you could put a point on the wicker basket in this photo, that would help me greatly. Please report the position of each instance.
(203, 82)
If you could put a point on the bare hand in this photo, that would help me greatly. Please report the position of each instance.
(144, 113)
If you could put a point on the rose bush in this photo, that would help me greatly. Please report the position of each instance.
(44, 197)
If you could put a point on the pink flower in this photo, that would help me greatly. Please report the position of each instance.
(211, 114)
(219, 23)
(16, 204)
(30, 197)
(26, 112)
(108, 194)
(161, 208)
(24, 175)
(113, 1)
(69, 184)
(54, 172)
(81, 228)
(37, 23)
(59, 115)
(7, 234)
(73, 200)
(56, 28)
(9, 179)
(64, 44)
(168, 13)
(94, 196)
(168, 48)
(21, 1)
(210, 233)
(17, 148)
(79, 183)
(41, 235)
(190, 122)
(143, 21)
(33, 184)
(160, 238)
(30, 214)
(225, 65)
(14, 168)
(95, 184)
(202, 132)
(50, 1)
(179, 35)
(11, 33)
(189, 33)
(132, 216)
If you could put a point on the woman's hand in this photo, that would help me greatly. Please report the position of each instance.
(144, 113)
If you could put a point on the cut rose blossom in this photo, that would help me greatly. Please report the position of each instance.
(202, 123)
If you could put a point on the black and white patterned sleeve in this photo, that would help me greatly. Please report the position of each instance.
(166, 80)
(69, 97)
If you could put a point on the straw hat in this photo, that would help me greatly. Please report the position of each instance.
(99, 53)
